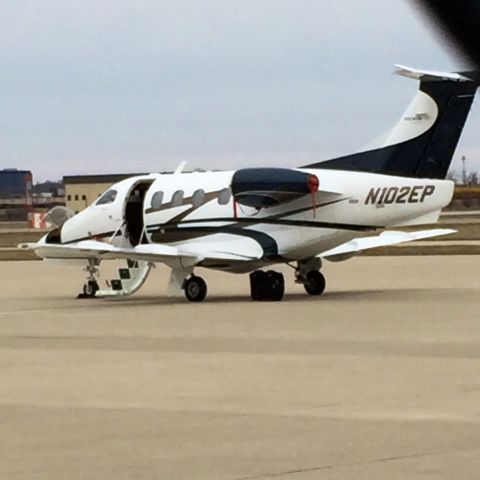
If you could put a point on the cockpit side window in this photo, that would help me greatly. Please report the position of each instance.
(107, 197)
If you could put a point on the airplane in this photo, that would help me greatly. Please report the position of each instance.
(246, 220)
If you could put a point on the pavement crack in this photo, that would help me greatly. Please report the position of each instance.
(320, 468)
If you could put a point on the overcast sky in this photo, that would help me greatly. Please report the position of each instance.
(99, 86)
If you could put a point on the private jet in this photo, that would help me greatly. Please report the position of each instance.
(247, 220)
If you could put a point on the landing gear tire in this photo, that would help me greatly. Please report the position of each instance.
(195, 289)
(314, 283)
(90, 289)
(267, 286)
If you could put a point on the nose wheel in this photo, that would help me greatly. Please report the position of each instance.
(90, 289)
(195, 289)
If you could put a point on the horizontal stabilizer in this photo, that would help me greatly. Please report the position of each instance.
(383, 240)
(429, 75)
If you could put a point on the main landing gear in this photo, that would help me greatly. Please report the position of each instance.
(267, 286)
(195, 289)
(308, 273)
(264, 285)
(314, 283)
(270, 285)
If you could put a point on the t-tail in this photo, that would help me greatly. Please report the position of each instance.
(423, 143)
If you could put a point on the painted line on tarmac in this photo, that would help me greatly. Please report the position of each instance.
(43, 310)
(19, 312)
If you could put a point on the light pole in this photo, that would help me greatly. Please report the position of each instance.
(464, 171)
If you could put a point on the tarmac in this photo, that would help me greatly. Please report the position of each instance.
(377, 379)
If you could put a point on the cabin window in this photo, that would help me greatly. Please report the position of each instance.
(107, 197)
(157, 199)
(177, 198)
(84, 197)
(69, 198)
(224, 196)
(198, 198)
(76, 198)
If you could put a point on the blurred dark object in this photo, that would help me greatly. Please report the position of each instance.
(459, 22)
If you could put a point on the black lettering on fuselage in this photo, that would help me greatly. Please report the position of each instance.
(391, 195)
(399, 195)
(413, 197)
(382, 196)
(404, 191)
(427, 191)
(372, 196)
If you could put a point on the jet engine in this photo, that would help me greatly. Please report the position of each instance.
(267, 187)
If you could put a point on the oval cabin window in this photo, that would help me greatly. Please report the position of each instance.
(177, 198)
(198, 198)
(157, 199)
(224, 196)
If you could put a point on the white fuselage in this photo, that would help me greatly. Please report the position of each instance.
(347, 205)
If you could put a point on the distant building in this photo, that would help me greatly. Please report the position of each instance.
(54, 188)
(83, 190)
(15, 184)
(15, 194)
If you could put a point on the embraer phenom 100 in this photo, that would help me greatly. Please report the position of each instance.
(246, 220)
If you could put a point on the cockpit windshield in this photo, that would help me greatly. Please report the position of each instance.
(107, 197)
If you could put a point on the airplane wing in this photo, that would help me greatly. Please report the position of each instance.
(151, 253)
(348, 249)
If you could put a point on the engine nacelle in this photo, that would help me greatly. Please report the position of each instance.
(267, 187)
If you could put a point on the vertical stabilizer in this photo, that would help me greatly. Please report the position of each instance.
(423, 142)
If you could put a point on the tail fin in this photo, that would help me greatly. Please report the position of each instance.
(423, 143)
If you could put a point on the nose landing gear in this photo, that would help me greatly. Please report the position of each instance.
(130, 280)
(90, 288)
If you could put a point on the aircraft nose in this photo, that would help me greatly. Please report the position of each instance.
(53, 237)
(77, 227)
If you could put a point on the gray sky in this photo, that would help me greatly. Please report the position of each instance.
(140, 85)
